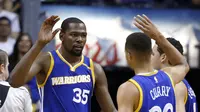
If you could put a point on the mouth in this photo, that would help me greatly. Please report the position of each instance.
(78, 47)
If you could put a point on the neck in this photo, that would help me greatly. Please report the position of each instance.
(165, 65)
(143, 68)
(3, 38)
(2, 78)
(68, 57)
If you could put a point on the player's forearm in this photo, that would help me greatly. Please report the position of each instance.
(104, 99)
(106, 105)
(19, 75)
(180, 107)
(174, 56)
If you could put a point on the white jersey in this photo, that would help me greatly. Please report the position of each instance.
(14, 99)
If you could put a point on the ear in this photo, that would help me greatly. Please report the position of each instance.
(61, 35)
(2, 67)
(128, 54)
(163, 58)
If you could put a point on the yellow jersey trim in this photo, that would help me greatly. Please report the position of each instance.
(149, 74)
(49, 71)
(86, 66)
(72, 68)
(170, 79)
(186, 96)
(33, 107)
(92, 70)
(141, 94)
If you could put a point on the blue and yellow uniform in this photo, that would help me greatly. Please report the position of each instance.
(156, 92)
(67, 88)
(190, 100)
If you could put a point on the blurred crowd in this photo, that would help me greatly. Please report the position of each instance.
(133, 3)
(15, 42)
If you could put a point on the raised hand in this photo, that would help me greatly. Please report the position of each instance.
(145, 24)
(46, 34)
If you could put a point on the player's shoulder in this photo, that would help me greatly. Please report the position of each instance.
(97, 68)
(180, 87)
(43, 57)
(21, 90)
(19, 94)
(128, 88)
(44, 54)
(96, 65)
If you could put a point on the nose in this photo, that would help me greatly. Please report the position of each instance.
(79, 39)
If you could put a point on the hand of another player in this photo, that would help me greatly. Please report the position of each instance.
(145, 24)
(46, 34)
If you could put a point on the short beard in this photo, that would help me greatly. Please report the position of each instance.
(75, 53)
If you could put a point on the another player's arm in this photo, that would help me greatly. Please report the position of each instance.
(26, 68)
(101, 90)
(180, 66)
(127, 97)
(181, 92)
(29, 65)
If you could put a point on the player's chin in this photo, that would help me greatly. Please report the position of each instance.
(77, 52)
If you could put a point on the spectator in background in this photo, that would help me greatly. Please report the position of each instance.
(6, 42)
(22, 46)
(13, 17)
(12, 6)
(8, 5)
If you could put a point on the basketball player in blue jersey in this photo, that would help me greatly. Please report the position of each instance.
(150, 90)
(185, 96)
(66, 78)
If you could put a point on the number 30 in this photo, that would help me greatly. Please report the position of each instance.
(194, 107)
(167, 107)
(81, 99)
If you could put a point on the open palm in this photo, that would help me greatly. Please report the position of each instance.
(145, 24)
(46, 34)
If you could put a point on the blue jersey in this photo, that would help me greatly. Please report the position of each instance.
(156, 92)
(32, 84)
(67, 88)
(190, 101)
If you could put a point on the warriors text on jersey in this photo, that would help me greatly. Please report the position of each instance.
(67, 88)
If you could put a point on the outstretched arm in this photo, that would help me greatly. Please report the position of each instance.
(27, 68)
(180, 66)
(180, 92)
(101, 90)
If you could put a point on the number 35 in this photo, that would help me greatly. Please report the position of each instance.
(81, 96)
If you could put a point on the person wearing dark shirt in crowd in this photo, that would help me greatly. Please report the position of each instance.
(21, 47)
